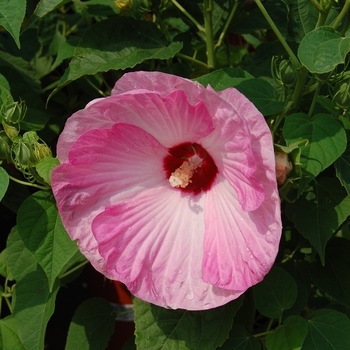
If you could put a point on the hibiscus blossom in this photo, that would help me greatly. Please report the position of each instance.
(170, 188)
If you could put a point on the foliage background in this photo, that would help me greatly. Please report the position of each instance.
(289, 57)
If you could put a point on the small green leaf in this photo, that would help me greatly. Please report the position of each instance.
(4, 182)
(333, 278)
(328, 328)
(326, 142)
(45, 167)
(117, 44)
(92, 325)
(42, 232)
(33, 305)
(224, 78)
(11, 17)
(319, 213)
(275, 293)
(239, 339)
(160, 328)
(9, 338)
(289, 336)
(323, 49)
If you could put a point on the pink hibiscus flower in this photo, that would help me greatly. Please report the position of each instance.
(170, 188)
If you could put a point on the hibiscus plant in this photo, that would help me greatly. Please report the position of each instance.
(188, 156)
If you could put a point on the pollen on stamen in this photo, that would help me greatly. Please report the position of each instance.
(181, 177)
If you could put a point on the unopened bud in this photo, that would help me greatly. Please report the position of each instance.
(10, 131)
(283, 166)
(22, 154)
(124, 6)
(341, 99)
(14, 112)
(5, 148)
(288, 73)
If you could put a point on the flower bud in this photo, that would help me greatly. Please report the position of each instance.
(14, 112)
(341, 99)
(10, 131)
(22, 154)
(124, 6)
(283, 166)
(287, 73)
(5, 148)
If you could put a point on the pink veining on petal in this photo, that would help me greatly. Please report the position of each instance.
(157, 250)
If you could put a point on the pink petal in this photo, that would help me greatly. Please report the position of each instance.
(76, 125)
(105, 167)
(240, 247)
(171, 119)
(154, 244)
(231, 147)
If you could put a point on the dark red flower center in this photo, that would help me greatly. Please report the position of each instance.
(190, 168)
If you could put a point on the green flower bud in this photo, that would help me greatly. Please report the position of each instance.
(287, 73)
(22, 154)
(5, 148)
(341, 99)
(41, 151)
(14, 112)
(10, 131)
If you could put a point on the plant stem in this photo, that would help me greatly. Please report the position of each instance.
(192, 19)
(193, 60)
(208, 25)
(280, 37)
(342, 13)
(313, 103)
(74, 269)
(299, 87)
(229, 19)
(28, 183)
(317, 5)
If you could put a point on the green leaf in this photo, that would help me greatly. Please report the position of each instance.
(19, 259)
(333, 278)
(342, 164)
(11, 17)
(4, 182)
(33, 305)
(277, 292)
(328, 329)
(324, 142)
(289, 336)
(4, 269)
(262, 94)
(323, 49)
(117, 44)
(45, 167)
(92, 325)
(224, 78)
(239, 339)
(319, 213)
(302, 18)
(160, 328)
(9, 338)
(42, 232)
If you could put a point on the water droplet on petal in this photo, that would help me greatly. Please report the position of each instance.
(251, 256)
(248, 250)
(209, 253)
(179, 271)
(207, 306)
(190, 296)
